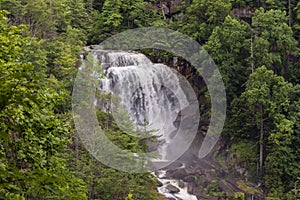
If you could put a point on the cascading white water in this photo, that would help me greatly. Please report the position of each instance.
(151, 93)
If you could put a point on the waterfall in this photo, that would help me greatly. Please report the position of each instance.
(152, 95)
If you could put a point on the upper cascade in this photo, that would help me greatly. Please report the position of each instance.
(151, 93)
(120, 58)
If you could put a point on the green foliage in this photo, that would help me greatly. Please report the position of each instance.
(264, 87)
(46, 19)
(239, 195)
(201, 16)
(31, 135)
(246, 152)
(274, 42)
(229, 46)
(296, 24)
(119, 15)
(266, 90)
(129, 197)
(107, 183)
(63, 54)
(275, 4)
(38, 62)
(213, 189)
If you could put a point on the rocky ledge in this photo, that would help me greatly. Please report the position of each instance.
(207, 179)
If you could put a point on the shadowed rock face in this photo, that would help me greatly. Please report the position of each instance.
(201, 176)
(168, 8)
(172, 189)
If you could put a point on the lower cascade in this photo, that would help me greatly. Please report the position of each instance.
(153, 97)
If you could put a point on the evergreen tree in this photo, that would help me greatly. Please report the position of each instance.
(274, 42)
(32, 136)
(230, 47)
(200, 18)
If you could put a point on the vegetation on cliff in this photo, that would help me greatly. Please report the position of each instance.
(255, 44)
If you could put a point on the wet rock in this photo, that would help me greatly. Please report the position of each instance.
(222, 186)
(173, 166)
(154, 144)
(190, 188)
(159, 183)
(177, 174)
(191, 169)
(172, 189)
(203, 182)
(181, 184)
(205, 164)
(93, 47)
(200, 197)
(221, 173)
(256, 197)
(214, 198)
(199, 191)
(157, 173)
(233, 185)
(189, 179)
(208, 175)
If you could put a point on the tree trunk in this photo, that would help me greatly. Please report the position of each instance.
(163, 12)
(290, 14)
(252, 56)
(261, 142)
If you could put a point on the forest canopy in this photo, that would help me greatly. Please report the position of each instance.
(255, 45)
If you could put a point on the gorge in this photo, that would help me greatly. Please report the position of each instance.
(153, 96)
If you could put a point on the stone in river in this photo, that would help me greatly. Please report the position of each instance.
(172, 189)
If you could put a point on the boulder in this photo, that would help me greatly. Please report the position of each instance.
(172, 189)
(173, 166)
(159, 183)
(176, 174)
(214, 198)
(190, 188)
(189, 179)
(223, 186)
(181, 184)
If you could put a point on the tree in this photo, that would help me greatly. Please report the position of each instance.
(267, 99)
(274, 42)
(46, 19)
(200, 18)
(269, 109)
(275, 4)
(253, 4)
(32, 136)
(120, 15)
(63, 56)
(282, 162)
(296, 26)
(229, 46)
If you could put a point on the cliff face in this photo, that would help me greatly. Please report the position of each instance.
(168, 7)
(206, 178)
(185, 69)
(193, 77)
